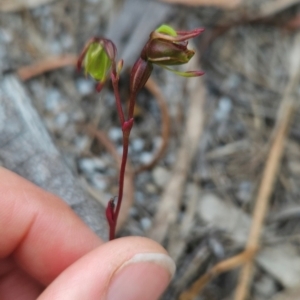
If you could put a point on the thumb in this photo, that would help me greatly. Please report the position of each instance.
(130, 268)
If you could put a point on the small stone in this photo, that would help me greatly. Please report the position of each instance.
(115, 134)
(91, 165)
(67, 41)
(139, 197)
(150, 188)
(5, 36)
(99, 182)
(53, 101)
(157, 141)
(81, 142)
(265, 287)
(146, 157)
(244, 193)
(161, 176)
(137, 144)
(224, 108)
(133, 212)
(146, 223)
(61, 120)
(85, 86)
(78, 116)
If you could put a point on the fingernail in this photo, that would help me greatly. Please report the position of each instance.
(145, 276)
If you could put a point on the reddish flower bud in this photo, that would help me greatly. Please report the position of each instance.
(167, 47)
(167, 53)
(110, 212)
(140, 73)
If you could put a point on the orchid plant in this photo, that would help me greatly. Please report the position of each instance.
(165, 47)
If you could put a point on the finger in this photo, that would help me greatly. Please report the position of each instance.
(39, 230)
(15, 284)
(130, 268)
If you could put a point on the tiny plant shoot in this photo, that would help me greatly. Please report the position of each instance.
(165, 47)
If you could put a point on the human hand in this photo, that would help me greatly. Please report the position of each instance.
(47, 252)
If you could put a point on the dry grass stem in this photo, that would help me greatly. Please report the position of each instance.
(271, 7)
(46, 65)
(270, 173)
(218, 269)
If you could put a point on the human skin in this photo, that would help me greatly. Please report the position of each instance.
(47, 252)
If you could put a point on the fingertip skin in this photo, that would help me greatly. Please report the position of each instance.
(92, 275)
(40, 231)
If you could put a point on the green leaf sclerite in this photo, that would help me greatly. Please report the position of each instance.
(97, 62)
(166, 29)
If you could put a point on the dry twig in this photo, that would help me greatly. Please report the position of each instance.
(271, 168)
(46, 65)
(218, 269)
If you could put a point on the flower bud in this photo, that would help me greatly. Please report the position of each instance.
(168, 47)
(98, 60)
(140, 73)
(110, 212)
(168, 53)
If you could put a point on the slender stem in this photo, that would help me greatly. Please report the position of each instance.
(126, 128)
(115, 83)
(121, 178)
(112, 232)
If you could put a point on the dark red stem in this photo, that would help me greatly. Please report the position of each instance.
(121, 184)
(115, 83)
(126, 128)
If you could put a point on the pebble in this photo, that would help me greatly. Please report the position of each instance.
(146, 223)
(224, 108)
(5, 36)
(137, 144)
(232, 82)
(55, 47)
(78, 116)
(99, 182)
(146, 157)
(161, 176)
(244, 193)
(61, 120)
(150, 188)
(84, 86)
(81, 142)
(265, 286)
(67, 41)
(139, 197)
(133, 212)
(91, 165)
(115, 134)
(53, 101)
(157, 141)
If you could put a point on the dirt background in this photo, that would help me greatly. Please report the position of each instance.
(211, 159)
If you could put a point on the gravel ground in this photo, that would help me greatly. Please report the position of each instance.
(239, 106)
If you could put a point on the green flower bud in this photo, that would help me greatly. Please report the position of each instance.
(98, 60)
